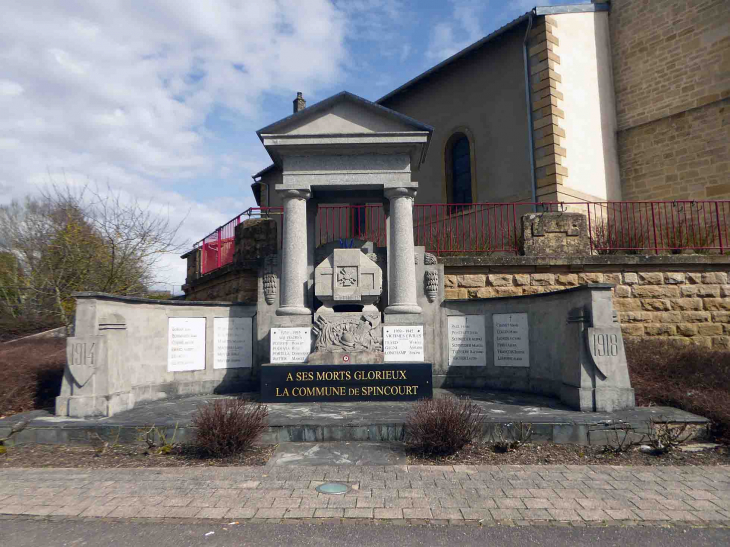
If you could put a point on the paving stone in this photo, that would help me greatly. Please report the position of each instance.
(535, 514)
(182, 512)
(537, 503)
(702, 505)
(359, 513)
(240, 513)
(681, 515)
(286, 502)
(342, 502)
(710, 516)
(482, 503)
(177, 502)
(505, 514)
(476, 514)
(417, 513)
(328, 513)
(388, 513)
(270, 512)
(212, 513)
(621, 514)
(564, 514)
(651, 514)
(299, 513)
(509, 503)
(42, 510)
(450, 513)
(75, 510)
(370, 502)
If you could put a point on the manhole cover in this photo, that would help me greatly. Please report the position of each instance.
(332, 488)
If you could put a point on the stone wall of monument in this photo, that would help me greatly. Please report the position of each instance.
(672, 83)
(254, 240)
(232, 283)
(686, 302)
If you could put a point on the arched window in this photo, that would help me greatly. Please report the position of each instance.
(461, 171)
(459, 167)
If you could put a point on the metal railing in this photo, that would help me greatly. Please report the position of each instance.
(629, 227)
(217, 248)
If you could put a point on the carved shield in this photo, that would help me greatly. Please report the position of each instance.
(605, 344)
(84, 355)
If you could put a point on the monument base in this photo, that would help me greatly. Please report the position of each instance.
(294, 383)
(606, 399)
(346, 358)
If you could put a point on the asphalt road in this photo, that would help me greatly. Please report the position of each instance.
(129, 533)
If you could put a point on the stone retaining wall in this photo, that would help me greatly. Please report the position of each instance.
(652, 301)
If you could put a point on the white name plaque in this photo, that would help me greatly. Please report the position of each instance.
(511, 340)
(403, 343)
(466, 341)
(185, 344)
(290, 345)
(233, 342)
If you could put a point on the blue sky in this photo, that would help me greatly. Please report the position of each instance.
(161, 99)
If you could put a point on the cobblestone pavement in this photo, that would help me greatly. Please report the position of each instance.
(520, 494)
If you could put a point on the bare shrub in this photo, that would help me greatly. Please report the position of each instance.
(692, 378)
(30, 374)
(442, 426)
(664, 437)
(227, 427)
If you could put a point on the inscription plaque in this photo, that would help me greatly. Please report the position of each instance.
(233, 342)
(403, 344)
(185, 344)
(466, 341)
(511, 340)
(290, 345)
(308, 383)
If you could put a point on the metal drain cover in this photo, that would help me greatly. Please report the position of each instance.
(332, 488)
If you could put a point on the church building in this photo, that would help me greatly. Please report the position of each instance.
(608, 101)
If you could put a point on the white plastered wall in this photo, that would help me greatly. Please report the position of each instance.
(589, 105)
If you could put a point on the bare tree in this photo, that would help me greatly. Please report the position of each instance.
(78, 239)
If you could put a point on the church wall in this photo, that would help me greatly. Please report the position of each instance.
(482, 94)
(588, 104)
(671, 65)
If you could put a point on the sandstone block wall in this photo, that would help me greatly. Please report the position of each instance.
(231, 283)
(686, 306)
(671, 68)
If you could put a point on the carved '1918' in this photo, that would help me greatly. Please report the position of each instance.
(605, 345)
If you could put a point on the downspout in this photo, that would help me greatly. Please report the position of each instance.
(528, 102)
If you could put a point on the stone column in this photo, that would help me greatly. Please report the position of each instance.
(294, 254)
(401, 257)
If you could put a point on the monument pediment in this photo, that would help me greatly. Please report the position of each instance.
(346, 124)
(344, 114)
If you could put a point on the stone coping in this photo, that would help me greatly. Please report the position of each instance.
(679, 261)
(139, 300)
(579, 288)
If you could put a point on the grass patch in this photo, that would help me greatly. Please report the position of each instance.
(30, 374)
(692, 378)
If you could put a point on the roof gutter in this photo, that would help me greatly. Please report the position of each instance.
(528, 102)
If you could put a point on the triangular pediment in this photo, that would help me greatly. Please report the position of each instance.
(344, 114)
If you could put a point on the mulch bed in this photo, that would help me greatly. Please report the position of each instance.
(568, 454)
(89, 457)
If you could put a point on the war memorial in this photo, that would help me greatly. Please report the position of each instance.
(349, 324)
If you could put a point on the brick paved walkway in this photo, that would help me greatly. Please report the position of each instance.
(576, 494)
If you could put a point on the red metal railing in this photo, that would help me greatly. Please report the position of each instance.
(335, 222)
(216, 249)
(447, 228)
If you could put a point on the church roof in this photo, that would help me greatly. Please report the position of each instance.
(456, 56)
